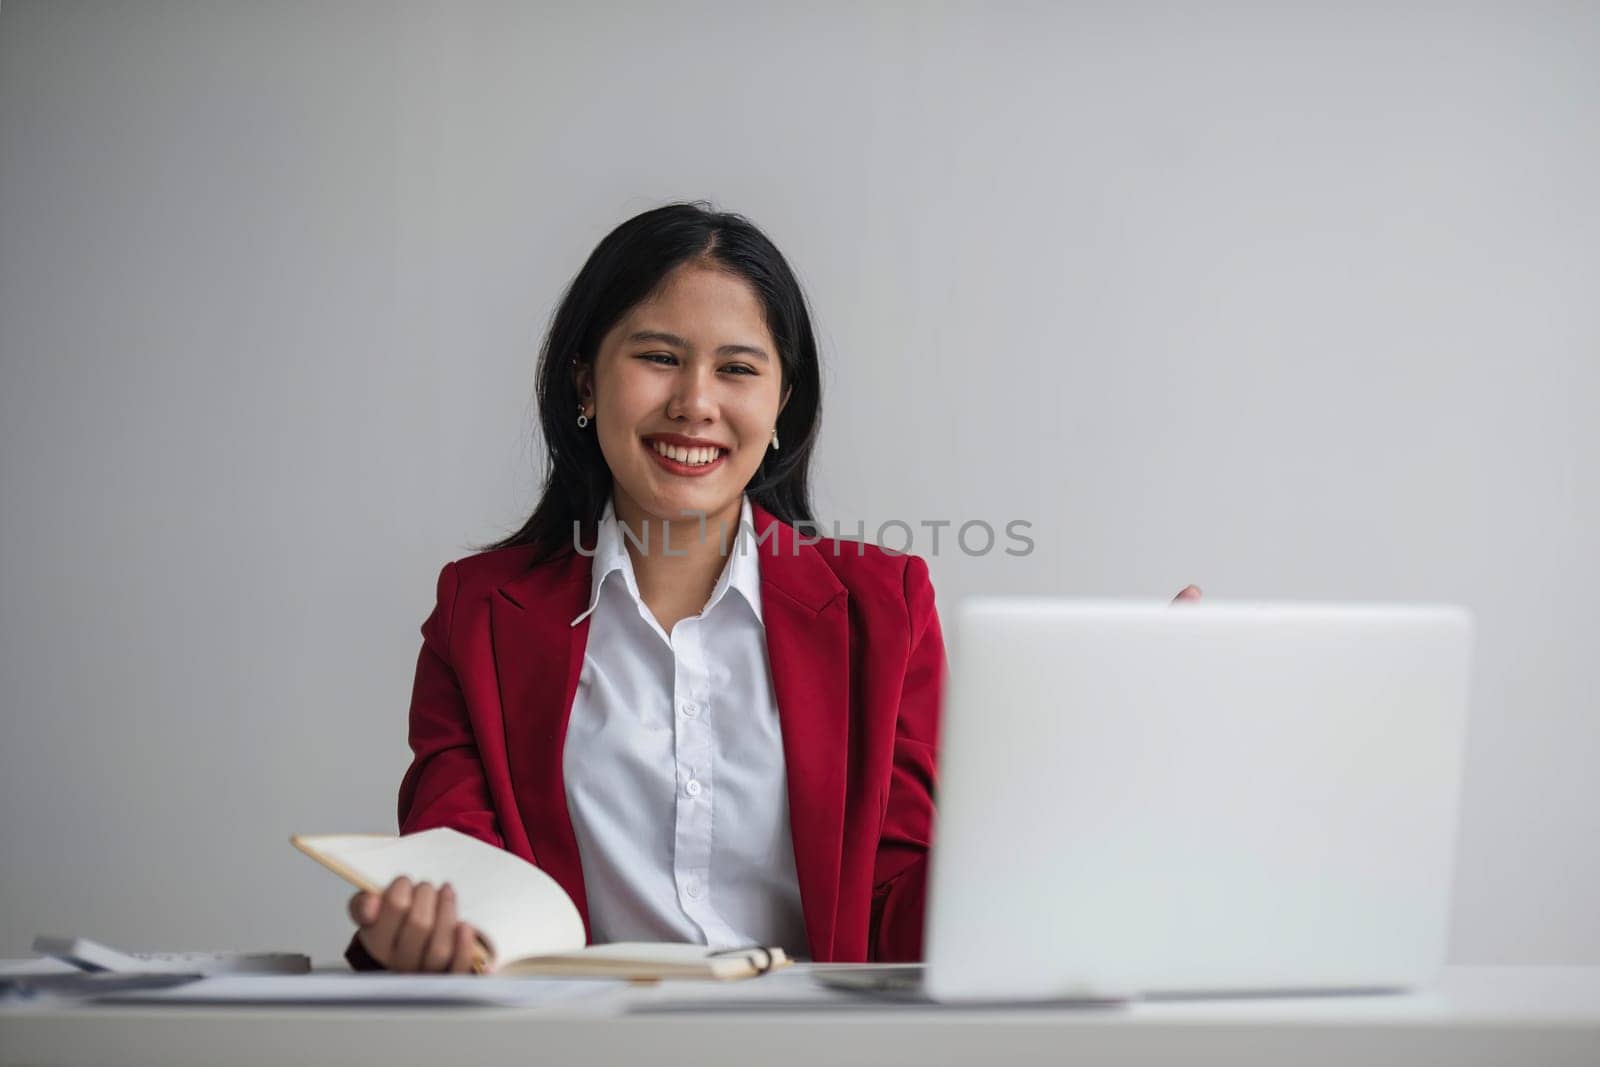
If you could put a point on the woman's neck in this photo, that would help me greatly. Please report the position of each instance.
(676, 563)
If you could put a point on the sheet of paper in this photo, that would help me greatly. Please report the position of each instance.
(798, 988)
(793, 987)
(375, 989)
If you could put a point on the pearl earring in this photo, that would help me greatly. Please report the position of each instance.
(774, 438)
(583, 420)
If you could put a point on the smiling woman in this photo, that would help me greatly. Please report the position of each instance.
(681, 323)
(688, 419)
(699, 740)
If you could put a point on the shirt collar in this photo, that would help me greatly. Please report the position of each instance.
(741, 573)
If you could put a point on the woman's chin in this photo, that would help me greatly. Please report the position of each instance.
(676, 502)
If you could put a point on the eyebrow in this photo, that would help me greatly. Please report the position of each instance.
(677, 342)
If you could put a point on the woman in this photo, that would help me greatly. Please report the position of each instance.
(704, 726)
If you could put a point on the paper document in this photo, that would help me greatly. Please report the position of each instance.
(371, 989)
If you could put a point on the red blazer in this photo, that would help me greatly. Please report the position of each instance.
(857, 662)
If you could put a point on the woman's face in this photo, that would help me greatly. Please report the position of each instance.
(684, 395)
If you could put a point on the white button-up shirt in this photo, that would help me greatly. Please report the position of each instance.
(674, 767)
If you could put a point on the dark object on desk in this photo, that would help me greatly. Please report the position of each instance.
(903, 982)
(895, 981)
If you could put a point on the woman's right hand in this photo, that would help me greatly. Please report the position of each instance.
(414, 928)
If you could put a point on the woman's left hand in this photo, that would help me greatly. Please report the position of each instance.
(1188, 592)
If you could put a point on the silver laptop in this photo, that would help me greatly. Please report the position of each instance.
(1141, 800)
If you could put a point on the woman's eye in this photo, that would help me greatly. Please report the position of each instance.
(667, 359)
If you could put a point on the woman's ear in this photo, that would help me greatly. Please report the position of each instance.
(785, 401)
(583, 381)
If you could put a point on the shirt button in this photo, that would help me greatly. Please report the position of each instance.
(692, 887)
(693, 789)
(690, 708)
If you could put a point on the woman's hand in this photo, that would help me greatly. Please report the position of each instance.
(414, 928)
(1188, 592)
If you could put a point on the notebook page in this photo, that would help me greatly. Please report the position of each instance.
(650, 951)
(655, 959)
(519, 909)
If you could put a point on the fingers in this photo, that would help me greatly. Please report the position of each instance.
(440, 947)
(411, 940)
(379, 935)
(415, 928)
(464, 949)
(1188, 592)
(364, 907)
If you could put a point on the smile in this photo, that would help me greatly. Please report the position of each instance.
(686, 459)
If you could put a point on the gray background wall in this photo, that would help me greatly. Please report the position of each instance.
(1287, 302)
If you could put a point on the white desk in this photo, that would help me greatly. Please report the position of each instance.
(1479, 1016)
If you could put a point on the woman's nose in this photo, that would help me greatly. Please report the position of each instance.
(691, 397)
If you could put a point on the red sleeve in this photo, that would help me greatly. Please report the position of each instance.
(444, 786)
(900, 875)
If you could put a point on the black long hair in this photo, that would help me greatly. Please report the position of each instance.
(627, 267)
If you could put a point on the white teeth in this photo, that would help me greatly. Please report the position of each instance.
(694, 457)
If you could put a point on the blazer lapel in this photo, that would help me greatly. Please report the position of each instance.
(804, 608)
(538, 658)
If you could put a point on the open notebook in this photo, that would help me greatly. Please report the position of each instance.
(526, 920)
